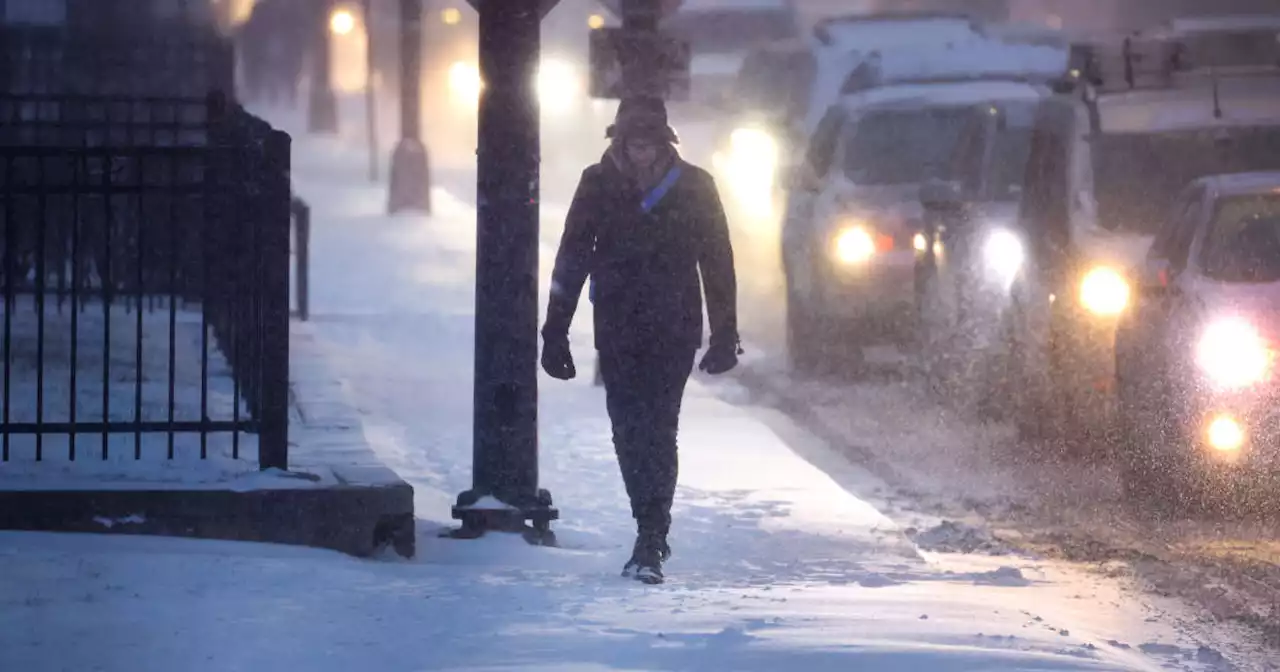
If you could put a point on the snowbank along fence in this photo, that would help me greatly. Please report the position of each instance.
(144, 235)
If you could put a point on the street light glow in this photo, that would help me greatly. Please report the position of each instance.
(595, 22)
(342, 22)
(451, 16)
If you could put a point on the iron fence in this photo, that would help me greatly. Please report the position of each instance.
(144, 258)
(146, 60)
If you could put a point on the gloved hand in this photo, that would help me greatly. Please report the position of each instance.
(557, 360)
(720, 357)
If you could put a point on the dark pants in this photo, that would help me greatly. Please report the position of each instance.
(644, 389)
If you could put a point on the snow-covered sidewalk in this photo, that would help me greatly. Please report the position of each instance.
(778, 563)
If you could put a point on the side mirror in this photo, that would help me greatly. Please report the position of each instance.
(940, 195)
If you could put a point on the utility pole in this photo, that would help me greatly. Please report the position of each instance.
(410, 187)
(505, 493)
(370, 92)
(322, 114)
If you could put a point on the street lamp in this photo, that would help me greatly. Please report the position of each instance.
(410, 184)
(322, 114)
(342, 21)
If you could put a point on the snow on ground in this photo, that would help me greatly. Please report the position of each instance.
(778, 563)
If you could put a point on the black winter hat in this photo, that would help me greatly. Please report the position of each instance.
(644, 117)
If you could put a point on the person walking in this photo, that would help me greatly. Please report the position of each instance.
(643, 225)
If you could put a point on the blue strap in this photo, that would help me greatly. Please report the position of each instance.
(650, 201)
(668, 181)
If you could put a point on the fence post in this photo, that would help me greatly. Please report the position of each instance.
(302, 270)
(273, 447)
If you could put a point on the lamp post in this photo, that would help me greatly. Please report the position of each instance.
(505, 493)
(322, 111)
(410, 184)
(370, 92)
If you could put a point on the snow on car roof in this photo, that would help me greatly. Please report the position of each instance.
(695, 6)
(1241, 184)
(955, 93)
(975, 59)
(1205, 24)
(1242, 101)
(879, 34)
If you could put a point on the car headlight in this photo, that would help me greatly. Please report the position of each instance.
(558, 85)
(1003, 254)
(465, 83)
(753, 147)
(854, 245)
(1104, 291)
(1232, 353)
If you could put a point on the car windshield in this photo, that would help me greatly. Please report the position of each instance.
(723, 31)
(1002, 176)
(903, 146)
(1137, 175)
(1243, 240)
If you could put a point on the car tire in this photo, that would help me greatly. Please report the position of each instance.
(1158, 473)
(1026, 405)
(804, 342)
(934, 338)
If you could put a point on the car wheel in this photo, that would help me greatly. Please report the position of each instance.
(934, 337)
(1157, 466)
(1028, 372)
(804, 342)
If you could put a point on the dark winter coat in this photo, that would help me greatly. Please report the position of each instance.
(646, 265)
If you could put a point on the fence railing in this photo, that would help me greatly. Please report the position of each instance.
(144, 258)
(301, 215)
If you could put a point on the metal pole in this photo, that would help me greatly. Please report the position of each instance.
(370, 92)
(505, 429)
(410, 187)
(323, 109)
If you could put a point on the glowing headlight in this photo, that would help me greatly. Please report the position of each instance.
(855, 245)
(753, 146)
(1232, 353)
(342, 22)
(464, 82)
(558, 85)
(1104, 291)
(1002, 252)
(1225, 434)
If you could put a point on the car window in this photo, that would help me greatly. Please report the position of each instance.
(1187, 221)
(1165, 241)
(822, 146)
(1243, 240)
(1044, 211)
(904, 146)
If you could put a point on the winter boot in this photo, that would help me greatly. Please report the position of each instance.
(629, 569)
(650, 552)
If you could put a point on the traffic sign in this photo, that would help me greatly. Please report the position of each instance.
(662, 62)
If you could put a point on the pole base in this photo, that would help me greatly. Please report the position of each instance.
(322, 112)
(410, 187)
(476, 522)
